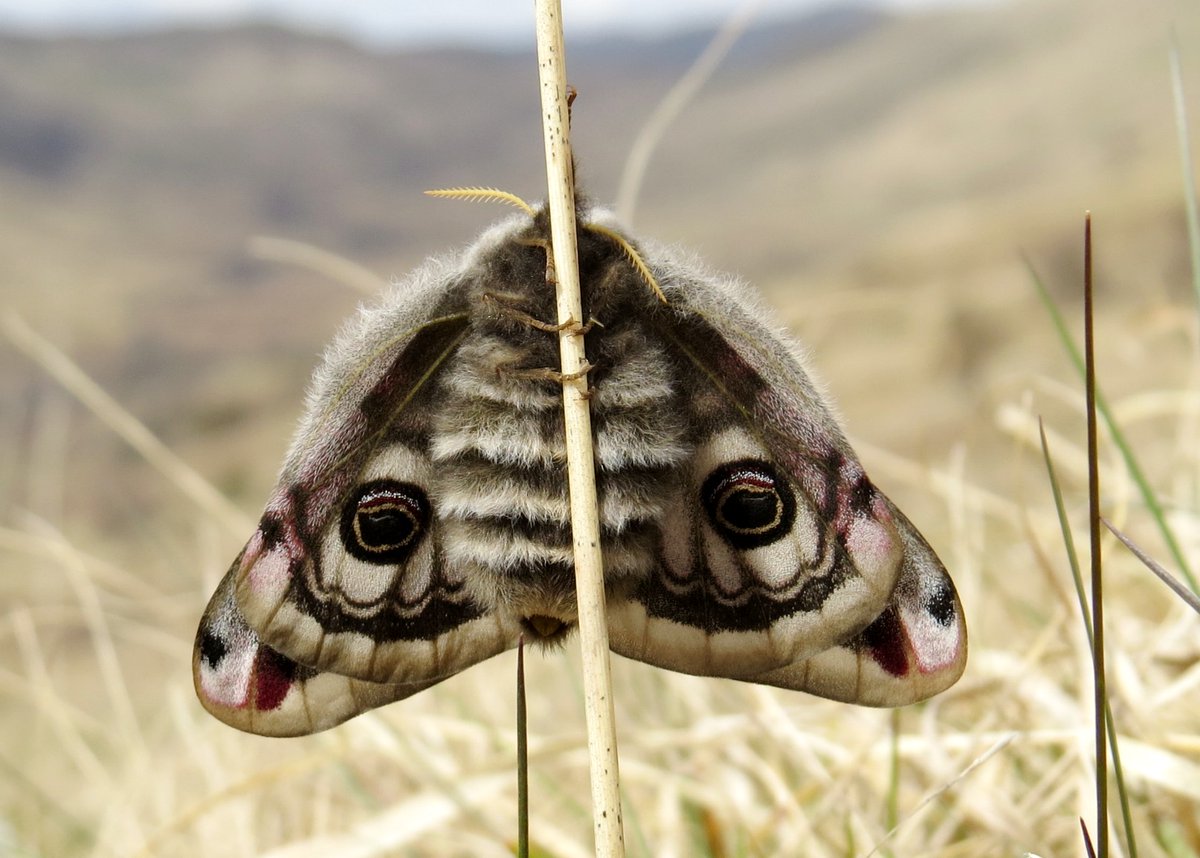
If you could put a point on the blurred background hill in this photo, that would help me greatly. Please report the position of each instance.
(876, 174)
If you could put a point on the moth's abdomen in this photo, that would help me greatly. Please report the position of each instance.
(501, 499)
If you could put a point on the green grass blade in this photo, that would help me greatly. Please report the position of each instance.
(1135, 470)
(1189, 173)
(1174, 840)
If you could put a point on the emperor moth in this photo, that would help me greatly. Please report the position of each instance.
(420, 522)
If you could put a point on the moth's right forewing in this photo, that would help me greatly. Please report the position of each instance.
(254, 688)
(346, 571)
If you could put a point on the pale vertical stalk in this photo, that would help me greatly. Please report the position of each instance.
(581, 472)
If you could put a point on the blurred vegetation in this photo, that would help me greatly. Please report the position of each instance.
(879, 177)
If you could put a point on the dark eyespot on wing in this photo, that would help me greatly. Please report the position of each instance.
(748, 503)
(752, 510)
(384, 521)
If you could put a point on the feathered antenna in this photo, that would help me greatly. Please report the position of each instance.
(495, 195)
(632, 255)
(492, 195)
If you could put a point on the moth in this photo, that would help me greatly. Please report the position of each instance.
(420, 523)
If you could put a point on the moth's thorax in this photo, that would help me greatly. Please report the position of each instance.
(497, 442)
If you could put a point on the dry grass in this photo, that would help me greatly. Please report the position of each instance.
(105, 752)
(113, 757)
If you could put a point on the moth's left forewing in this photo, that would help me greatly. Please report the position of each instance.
(778, 546)
(347, 571)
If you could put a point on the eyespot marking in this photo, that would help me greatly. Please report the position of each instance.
(383, 521)
(748, 504)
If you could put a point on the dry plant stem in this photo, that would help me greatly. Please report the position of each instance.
(129, 428)
(581, 474)
(1094, 531)
(1077, 579)
(673, 103)
(1153, 505)
(1177, 587)
(336, 268)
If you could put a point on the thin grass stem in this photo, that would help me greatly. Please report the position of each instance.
(1081, 597)
(1177, 587)
(67, 373)
(1093, 447)
(522, 756)
(684, 90)
(337, 268)
(892, 817)
(1087, 839)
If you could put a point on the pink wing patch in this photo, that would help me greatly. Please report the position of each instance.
(268, 570)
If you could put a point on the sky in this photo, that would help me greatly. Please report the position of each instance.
(398, 21)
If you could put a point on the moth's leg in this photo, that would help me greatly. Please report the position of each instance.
(573, 327)
(533, 241)
(501, 306)
(543, 373)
